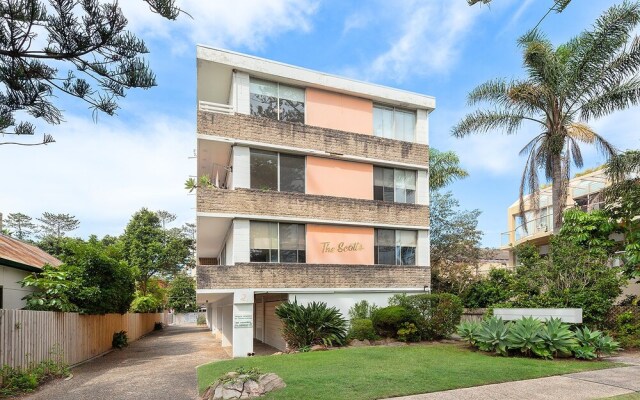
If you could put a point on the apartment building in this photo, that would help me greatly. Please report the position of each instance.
(319, 192)
(584, 191)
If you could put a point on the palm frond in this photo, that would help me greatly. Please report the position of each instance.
(620, 166)
(581, 132)
(481, 121)
(612, 99)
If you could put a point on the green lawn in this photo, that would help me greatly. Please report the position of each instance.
(630, 396)
(379, 372)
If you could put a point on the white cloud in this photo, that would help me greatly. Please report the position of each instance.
(356, 21)
(429, 40)
(240, 23)
(102, 173)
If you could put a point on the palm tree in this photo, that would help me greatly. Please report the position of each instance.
(592, 75)
(444, 168)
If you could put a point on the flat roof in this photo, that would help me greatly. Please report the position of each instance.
(287, 73)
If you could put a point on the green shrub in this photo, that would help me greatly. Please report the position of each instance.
(496, 288)
(145, 304)
(408, 332)
(362, 310)
(388, 320)
(627, 329)
(468, 331)
(557, 338)
(493, 336)
(526, 335)
(120, 340)
(201, 320)
(158, 326)
(312, 324)
(14, 381)
(438, 314)
(362, 329)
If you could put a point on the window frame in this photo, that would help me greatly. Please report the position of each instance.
(304, 90)
(395, 170)
(393, 123)
(278, 261)
(278, 171)
(397, 247)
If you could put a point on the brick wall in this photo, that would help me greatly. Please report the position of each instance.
(264, 130)
(265, 202)
(267, 275)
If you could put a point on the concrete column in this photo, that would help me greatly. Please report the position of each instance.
(422, 188)
(241, 167)
(423, 257)
(243, 323)
(241, 245)
(422, 127)
(243, 94)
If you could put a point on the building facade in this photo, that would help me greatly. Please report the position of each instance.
(18, 260)
(313, 187)
(584, 191)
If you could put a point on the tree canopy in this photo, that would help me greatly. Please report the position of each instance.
(79, 48)
(591, 76)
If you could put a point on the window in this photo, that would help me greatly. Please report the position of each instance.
(276, 101)
(394, 123)
(273, 171)
(394, 185)
(395, 247)
(276, 242)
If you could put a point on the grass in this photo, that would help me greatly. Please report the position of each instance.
(379, 372)
(630, 396)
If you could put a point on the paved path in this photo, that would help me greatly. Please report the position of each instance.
(160, 366)
(582, 385)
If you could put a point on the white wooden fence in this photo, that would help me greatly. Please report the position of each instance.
(31, 336)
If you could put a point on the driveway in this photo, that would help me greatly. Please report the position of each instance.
(159, 366)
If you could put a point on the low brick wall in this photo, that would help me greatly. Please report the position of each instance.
(283, 204)
(265, 130)
(269, 275)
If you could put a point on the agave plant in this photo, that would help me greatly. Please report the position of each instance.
(494, 336)
(557, 337)
(525, 334)
(592, 344)
(605, 345)
(312, 324)
(468, 331)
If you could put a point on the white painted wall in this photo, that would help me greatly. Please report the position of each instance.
(243, 95)
(12, 292)
(243, 337)
(422, 188)
(422, 127)
(241, 241)
(241, 167)
(423, 256)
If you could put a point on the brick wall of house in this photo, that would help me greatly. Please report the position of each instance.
(284, 204)
(268, 275)
(264, 130)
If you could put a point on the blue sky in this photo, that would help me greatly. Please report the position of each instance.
(103, 172)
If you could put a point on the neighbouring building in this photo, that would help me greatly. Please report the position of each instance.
(584, 191)
(17, 260)
(319, 192)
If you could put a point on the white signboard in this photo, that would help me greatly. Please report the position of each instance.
(243, 321)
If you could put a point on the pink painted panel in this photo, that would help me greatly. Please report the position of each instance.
(329, 177)
(328, 244)
(339, 111)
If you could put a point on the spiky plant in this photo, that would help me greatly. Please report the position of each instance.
(312, 324)
(591, 76)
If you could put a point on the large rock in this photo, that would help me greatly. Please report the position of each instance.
(243, 387)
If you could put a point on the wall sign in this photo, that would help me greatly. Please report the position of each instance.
(243, 321)
(341, 247)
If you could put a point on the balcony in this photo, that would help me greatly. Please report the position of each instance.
(216, 121)
(281, 276)
(251, 202)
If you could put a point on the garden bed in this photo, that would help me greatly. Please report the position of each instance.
(381, 371)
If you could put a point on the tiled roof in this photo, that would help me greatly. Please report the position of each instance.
(16, 251)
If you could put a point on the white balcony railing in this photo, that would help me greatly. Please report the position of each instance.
(215, 107)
